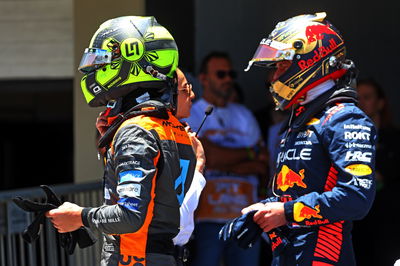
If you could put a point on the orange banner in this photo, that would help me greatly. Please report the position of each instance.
(223, 198)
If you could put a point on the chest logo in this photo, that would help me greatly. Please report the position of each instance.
(287, 178)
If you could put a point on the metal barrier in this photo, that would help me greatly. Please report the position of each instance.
(45, 251)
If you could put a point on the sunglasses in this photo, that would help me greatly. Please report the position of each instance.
(221, 74)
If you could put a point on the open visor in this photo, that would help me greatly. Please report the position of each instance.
(94, 58)
(269, 52)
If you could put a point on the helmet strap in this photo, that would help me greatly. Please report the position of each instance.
(112, 110)
(150, 70)
(172, 85)
(349, 78)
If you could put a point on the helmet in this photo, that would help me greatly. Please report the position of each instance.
(127, 54)
(316, 51)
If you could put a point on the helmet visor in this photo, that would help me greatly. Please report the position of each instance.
(269, 52)
(94, 58)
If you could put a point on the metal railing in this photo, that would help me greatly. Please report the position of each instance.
(45, 251)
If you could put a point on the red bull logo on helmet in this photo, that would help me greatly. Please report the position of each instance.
(302, 212)
(322, 52)
(287, 178)
(315, 32)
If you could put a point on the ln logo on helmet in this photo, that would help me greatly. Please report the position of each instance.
(314, 32)
(132, 49)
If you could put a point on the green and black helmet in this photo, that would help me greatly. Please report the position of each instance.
(127, 54)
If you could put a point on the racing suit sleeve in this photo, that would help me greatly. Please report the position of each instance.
(189, 205)
(349, 139)
(270, 199)
(134, 162)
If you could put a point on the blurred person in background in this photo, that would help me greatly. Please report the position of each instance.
(382, 248)
(236, 159)
(372, 100)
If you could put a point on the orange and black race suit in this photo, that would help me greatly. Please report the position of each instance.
(325, 176)
(149, 167)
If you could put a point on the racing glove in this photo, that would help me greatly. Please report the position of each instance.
(277, 237)
(83, 236)
(242, 229)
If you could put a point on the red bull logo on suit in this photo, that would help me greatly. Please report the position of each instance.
(287, 178)
(302, 212)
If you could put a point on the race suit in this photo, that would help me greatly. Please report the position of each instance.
(144, 185)
(325, 176)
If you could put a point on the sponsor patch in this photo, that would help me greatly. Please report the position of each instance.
(305, 134)
(130, 175)
(353, 126)
(127, 259)
(302, 142)
(355, 135)
(295, 155)
(350, 145)
(106, 220)
(358, 156)
(129, 203)
(359, 169)
(129, 190)
(287, 178)
(302, 212)
(361, 182)
(130, 162)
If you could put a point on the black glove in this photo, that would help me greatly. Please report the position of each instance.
(32, 232)
(83, 236)
(241, 229)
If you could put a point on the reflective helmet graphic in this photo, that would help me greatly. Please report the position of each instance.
(125, 54)
(315, 50)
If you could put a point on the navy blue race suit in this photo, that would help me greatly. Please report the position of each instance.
(325, 176)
